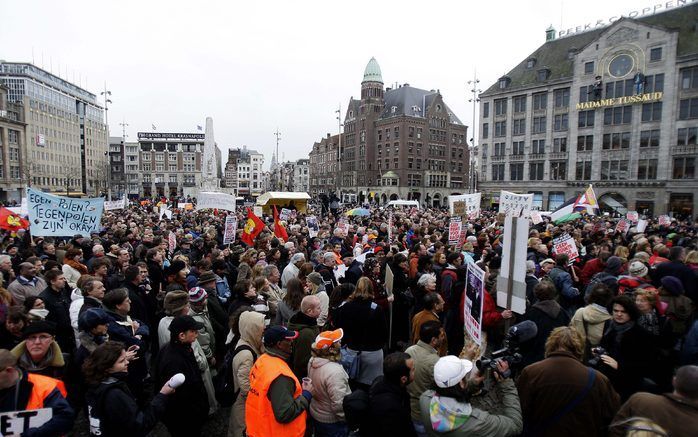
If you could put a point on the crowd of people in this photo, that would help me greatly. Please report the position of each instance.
(155, 320)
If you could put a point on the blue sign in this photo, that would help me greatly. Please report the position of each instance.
(59, 216)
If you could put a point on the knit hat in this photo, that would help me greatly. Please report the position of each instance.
(637, 269)
(92, 318)
(673, 285)
(613, 265)
(197, 294)
(450, 370)
(38, 327)
(326, 339)
(175, 301)
(315, 278)
(206, 277)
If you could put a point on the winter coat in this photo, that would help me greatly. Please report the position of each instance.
(274, 297)
(689, 353)
(21, 289)
(389, 405)
(424, 357)
(53, 364)
(58, 305)
(71, 275)
(595, 317)
(547, 315)
(283, 314)
(676, 415)
(364, 324)
(330, 386)
(548, 386)
(565, 288)
(308, 329)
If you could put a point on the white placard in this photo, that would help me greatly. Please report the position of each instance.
(565, 244)
(515, 205)
(633, 216)
(641, 226)
(516, 255)
(258, 211)
(284, 214)
(536, 217)
(14, 423)
(664, 220)
(231, 226)
(215, 200)
(472, 204)
(115, 204)
(389, 279)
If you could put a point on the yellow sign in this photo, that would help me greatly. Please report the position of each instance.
(640, 98)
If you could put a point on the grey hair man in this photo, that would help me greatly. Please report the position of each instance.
(292, 269)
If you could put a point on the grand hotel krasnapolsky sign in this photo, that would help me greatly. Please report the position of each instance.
(625, 100)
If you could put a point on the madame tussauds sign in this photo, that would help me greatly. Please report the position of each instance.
(625, 100)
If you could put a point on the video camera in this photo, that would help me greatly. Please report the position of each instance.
(519, 333)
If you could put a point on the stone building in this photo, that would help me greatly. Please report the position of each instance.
(615, 107)
(14, 175)
(243, 172)
(323, 166)
(169, 163)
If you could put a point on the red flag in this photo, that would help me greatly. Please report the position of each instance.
(253, 226)
(279, 229)
(11, 221)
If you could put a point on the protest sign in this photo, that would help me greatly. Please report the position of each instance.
(565, 244)
(664, 220)
(16, 423)
(536, 217)
(215, 200)
(389, 279)
(633, 216)
(474, 300)
(172, 242)
(115, 204)
(641, 226)
(343, 227)
(313, 227)
(515, 205)
(511, 283)
(285, 214)
(231, 226)
(623, 226)
(465, 205)
(258, 211)
(185, 206)
(59, 216)
(340, 271)
(454, 227)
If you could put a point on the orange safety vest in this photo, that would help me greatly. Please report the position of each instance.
(259, 417)
(43, 386)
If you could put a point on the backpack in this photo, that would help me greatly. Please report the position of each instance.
(357, 409)
(223, 384)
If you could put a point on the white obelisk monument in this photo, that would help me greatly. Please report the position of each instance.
(209, 170)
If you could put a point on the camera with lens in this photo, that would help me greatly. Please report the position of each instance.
(517, 334)
(596, 353)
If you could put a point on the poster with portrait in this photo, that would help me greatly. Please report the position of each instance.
(474, 299)
(313, 227)
(231, 226)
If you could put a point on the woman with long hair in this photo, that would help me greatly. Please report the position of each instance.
(73, 267)
(113, 411)
(247, 260)
(291, 303)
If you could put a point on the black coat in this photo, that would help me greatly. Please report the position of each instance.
(58, 306)
(187, 408)
(547, 315)
(390, 410)
(364, 324)
(139, 304)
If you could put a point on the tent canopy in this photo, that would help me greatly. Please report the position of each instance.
(283, 199)
(404, 203)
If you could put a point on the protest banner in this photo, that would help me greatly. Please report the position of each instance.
(16, 423)
(641, 226)
(515, 205)
(465, 205)
(185, 206)
(115, 204)
(664, 220)
(474, 300)
(632, 216)
(215, 200)
(285, 214)
(454, 227)
(623, 226)
(231, 226)
(565, 244)
(60, 216)
(172, 242)
(511, 285)
(313, 227)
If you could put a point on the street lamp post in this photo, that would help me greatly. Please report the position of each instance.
(106, 93)
(123, 125)
(277, 170)
(339, 174)
(473, 148)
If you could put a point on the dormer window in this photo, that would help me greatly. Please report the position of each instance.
(504, 82)
(438, 108)
(543, 74)
(351, 114)
(530, 63)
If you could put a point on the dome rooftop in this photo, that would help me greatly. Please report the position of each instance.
(372, 73)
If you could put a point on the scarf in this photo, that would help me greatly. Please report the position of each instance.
(650, 322)
(82, 268)
(447, 414)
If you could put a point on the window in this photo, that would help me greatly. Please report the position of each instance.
(499, 149)
(500, 128)
(410, 131)
(689, 78)
(585, 143)
(647, 169)
(583, 171)
(519, 127)
(537, 147)
(586, 118)
(146, 156)
(13, 136)
(589, 67)
(558, 170)
(684, 168)
(560, 144)
(561, 97)
(687, 136)
(585, 93)
(485, 109)
(538, 125)
(516, 172)
(656, 54)
(619, 115)
(618, 140)
(616, 170)
(159, 157)
(621, 88)
(497, 172)
(530, 63)
(485, 130)
(535, 170)
(500, 107)
(173, 167)
(540, 101)
(396, 132)
(649, 138)
(173, 179)
(561, 122)
(146, 167)
(688, 108)
(652, 111)
(520, 104)
(542, 74)
(517, 148)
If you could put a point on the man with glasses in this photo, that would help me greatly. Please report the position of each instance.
(39, 353)
(20, 390)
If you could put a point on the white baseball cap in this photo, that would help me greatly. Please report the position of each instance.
(450, 370)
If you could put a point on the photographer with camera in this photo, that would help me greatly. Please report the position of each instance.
(447, 411)
(561, 396)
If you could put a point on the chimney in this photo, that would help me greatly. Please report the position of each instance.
(328, 134)
(550, 33)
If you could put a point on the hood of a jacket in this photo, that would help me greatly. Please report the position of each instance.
(593, 314)
(53, 358)
(317, 362)
(76, 294)
(447, 414)
(550, 307)
(299, 321)
(252, 328)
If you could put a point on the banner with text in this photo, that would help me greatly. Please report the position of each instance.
(454, 230)
(213, 200)
(565, 244)
(231, 226)
(465, 205)
(17, 423)
(515, 205)
(59, 216)
(115, 204)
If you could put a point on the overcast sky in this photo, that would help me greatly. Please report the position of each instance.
(257, 65)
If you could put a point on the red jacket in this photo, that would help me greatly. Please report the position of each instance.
(591, 268)
(490, 315)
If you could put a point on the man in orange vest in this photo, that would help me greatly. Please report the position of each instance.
(21, 391)
(276, 403)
